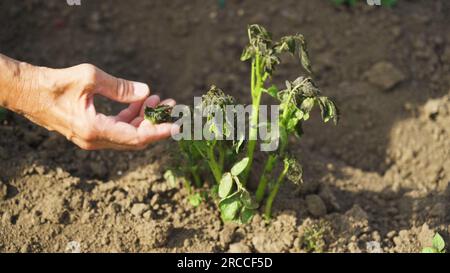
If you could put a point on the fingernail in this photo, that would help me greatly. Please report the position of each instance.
(141, 89)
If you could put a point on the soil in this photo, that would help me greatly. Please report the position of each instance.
(377, 182)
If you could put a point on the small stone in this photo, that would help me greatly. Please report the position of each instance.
(315, 205)
(384, 75)
(147, 215)
(98, 169)
(439, 210)
(425, 236)
(138, 209)
(373, 247)
(239, 248)
(73, 247)
(3, 191)
(266, 244)
(431, 108)
(227, 234)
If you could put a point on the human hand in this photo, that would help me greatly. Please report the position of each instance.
(63, 100)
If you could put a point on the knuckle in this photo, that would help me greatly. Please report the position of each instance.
(87, 146)
(88, 135)
(89, 73)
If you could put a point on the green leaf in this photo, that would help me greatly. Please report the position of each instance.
(214, 191)
(230, 207)
(438, 242)
(307, 105)
(306, 63)
(247, 53)
(195, 199)
(240, 166)
(246, 215)
(225, 186)
(429, 250)
(272, 91)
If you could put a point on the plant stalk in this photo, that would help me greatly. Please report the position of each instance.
(214, 166)
(256, 86)
(261, 190)
(274, 192)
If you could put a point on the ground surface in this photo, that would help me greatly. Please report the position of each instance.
(382, 174)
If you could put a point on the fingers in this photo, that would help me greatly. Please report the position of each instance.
(129, 113)
(169, 102)
(121, 135)
(152, 101)
(114, 88)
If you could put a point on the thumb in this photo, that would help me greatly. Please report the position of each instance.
(122, 90)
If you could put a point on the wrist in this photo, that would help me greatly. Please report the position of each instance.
(31, 85)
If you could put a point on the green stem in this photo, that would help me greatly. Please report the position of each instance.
(196, 176)
(256, 85)
(213, 165)
(221, 157)
(274, 192)
(261, 190)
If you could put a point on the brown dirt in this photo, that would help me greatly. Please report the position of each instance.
(382, 174)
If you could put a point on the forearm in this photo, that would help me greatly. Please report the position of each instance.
(17, 81)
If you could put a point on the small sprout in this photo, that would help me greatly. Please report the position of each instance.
(438, 245)
(195, 199)
(312, 239)
(159, 114)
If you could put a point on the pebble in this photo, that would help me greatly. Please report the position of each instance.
(431, 108)
(239, 248)
(384, 75)
(315, 205)
(3, 191)
(138, 209)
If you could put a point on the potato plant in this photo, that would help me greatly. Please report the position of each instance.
(230, 160)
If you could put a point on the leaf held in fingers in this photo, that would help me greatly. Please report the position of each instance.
(226, 185)
(239, 167)
(159, 114)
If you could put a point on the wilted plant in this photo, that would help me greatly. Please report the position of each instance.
(230, 161)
